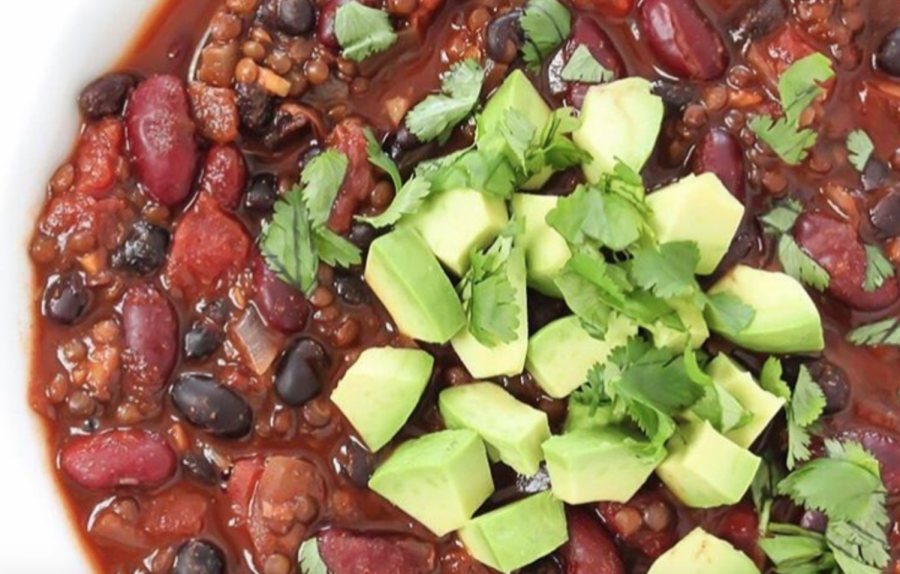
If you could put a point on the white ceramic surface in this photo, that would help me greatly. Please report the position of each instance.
(51, 49)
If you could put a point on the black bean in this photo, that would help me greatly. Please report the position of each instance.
(889, 54)
(289, 123)
(362, 235)
(211, 406)
(293, 17)
(885, 215)
(675, 95)
(298, 379)
(834, 384)
(357, 464)
(543, 310)
(814, 520)
(405, 139)
(106, 96)
(504, 37)
(66, 298)
(199, 468)
(254, 107)
(262, 194)
(202, 341)
(144, 249)
(875, 174)
(351, 289)
(199, 557)
(763, 18)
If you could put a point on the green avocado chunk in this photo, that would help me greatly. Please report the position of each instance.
(409, 282)
(546, 251)
(561, 354)
(514, 430)
(704, 469)
(455, 222)
(698, 209)
(786, 321)
(761, 404)
(580, 417)
(508, 359)
(440, 479)
(381, 390)
(608, 465)
(518, 534)
(695, 335)
(620, 122)
(702, 553)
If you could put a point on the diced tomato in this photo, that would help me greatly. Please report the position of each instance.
(242, 484)
(177, 513)
(775, 53)
(348, 138)
(74, 212)
(590, 549)
(880, 115)
(118, 458)
(208, 249)
(97, 158)
(347, 553)
(224, 176)
(738, 525)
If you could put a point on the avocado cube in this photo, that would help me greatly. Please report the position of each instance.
(704, 469)
(702, 553)
(579, 416)
(513, 429)
(440, 479)
(602, 465)
(546, 251)
(695, 334)
(518, 534)
(761, 404)
(456, 222)
(786, 321)
(508, 359)
(698, 209)
(409, 282)
(561, 354)
(381, 390)
(620, 121)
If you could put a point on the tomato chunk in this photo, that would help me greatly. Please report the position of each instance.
(175, 514)
(348, 553)
(97, 158)
(350, 139)
(118, 458)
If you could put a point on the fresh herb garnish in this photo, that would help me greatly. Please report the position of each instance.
(435, 117)
(409, 200)
(322, 180)
(796, 262)
(798, 88)
(803, 407)
(583, 67)
(882, 333)
(764, 489)
(381, 160)
(362, 31)
(861, 148)
(727, 314)
(878, 269)
(546, 24)
(489, 172)
(668, 271)
(310, 560)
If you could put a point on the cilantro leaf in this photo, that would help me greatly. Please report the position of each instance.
(668, 271)
(878, 269)
(287, 243)
(322, 180)
(803, 406)
(808, 402)
(409, 200)
(488, 172)
(782, 217)
(727, 314)
(362, 31)
(881, 333)
(791, 144)
(721, 409)
(861, 148)
(771, 379)
(335, 250)
(583, 67)
(552, 147)
(763, 490)
(488, 296)
(799, 265)
(310, 560)
(379, 159)
(435, 117)
(546, 24)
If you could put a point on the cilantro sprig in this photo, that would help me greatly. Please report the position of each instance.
(803, 407)
(884, 333)
(878, 269)
(310, 560)
(860, 148)
(435, 117)
(583, 67)
(546, 24)
(362, 31)
(779, 223)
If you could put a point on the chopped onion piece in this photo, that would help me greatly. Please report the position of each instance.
(259, 346)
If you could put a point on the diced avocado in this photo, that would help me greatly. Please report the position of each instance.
(608, 465)
(702, 553)
(504, 358)
(517, 534)
(440, 479)
(546, 252)
(692, 317)
(454, 223)
(786, 320)
(409, 282)
(561, 354)
(516, 93)
(761, 404)
(620, 122)
(699, 209)
(704, 469)
(513, 429)
(579, 416)
(381, 390)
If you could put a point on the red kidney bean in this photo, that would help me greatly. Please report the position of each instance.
(349, 139)
(97, 158)
(161, 138)
(885, 448)
(683, 40)
(151, 338)
(586, 32)
(739, 525)
(224, 176)
(608, 8)
(325, 24)
(281, 305)
(590, 549)
(347, 553)
(836, 246)
(720, 152)
(118, 458)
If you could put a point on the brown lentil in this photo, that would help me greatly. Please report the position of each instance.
(381, 195)
(246, 72)
(225, 26)
(254, 50)
(317, 71)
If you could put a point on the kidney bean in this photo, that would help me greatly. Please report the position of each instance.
(212, 407)
(685, 43)
(888, 57)
(739, 525)
(161, 139)
(814, 520)
(97, 158)
(590, 549)
(105, 96)
(224, 176)
(282, 306)
(586, 32)
(298, 379)
(720, 152)
(144, 249)
(327, 15)
(504, 37)
(293, 17)
(151, 338)
(345, 552)
(199, 557)
(66, 299)
(607, 8)
(836, 246)
(885, 448)
(118, 458)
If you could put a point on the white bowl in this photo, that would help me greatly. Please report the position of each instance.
(53, 48)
